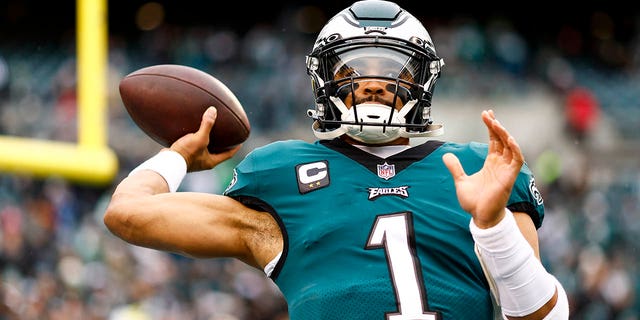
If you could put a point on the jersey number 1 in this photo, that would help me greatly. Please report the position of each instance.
(394, 233)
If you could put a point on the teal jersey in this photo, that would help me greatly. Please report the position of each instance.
(372, 238)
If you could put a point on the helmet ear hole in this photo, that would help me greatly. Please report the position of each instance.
(333, 37)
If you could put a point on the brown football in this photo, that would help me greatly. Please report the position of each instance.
(167, 101)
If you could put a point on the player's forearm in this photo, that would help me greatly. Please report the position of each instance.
(524, 289)
(142, 183)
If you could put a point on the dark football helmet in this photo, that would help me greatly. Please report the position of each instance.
(379, 33)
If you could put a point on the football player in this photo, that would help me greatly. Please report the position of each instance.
(361, 224)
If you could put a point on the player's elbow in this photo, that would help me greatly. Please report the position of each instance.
(111, 218)
(117, 218)
(557, 308)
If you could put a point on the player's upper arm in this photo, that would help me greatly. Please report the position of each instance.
(192, 224)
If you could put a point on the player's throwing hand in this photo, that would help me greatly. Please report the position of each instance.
(193, 147)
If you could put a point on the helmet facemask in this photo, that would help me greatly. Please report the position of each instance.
(396, 67)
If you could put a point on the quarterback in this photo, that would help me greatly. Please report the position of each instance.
(361, 224)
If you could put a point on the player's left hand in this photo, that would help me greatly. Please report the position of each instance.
(485, 193)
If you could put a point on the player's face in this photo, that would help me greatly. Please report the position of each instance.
(357, 87)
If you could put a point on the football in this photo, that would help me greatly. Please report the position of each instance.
(167, 101)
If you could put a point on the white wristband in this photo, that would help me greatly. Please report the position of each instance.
(522, 283)
(167, 163)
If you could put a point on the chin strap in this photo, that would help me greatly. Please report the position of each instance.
(327, 135)
(432, 130)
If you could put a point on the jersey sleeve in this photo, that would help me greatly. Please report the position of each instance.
(243, 175)
(244, 186)
(264, 177)
(525, 197)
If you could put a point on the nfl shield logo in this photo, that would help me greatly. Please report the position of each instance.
(386, 171)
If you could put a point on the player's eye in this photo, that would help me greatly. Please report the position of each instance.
(402, 92)
(345, 72)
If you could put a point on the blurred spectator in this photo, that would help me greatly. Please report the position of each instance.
(582, 112)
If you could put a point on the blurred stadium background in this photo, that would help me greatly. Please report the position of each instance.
(565, 82)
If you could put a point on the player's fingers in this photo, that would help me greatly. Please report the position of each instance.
(498, 139)
(208, 119)
(501, 133)
(511, 150)
(487, 118)
(515, 150)
(490, 121)
(453, 164)
(219, 157)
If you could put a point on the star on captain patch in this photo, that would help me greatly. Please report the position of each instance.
(386, 171)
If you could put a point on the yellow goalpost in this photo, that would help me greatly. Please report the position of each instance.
(90, 160)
